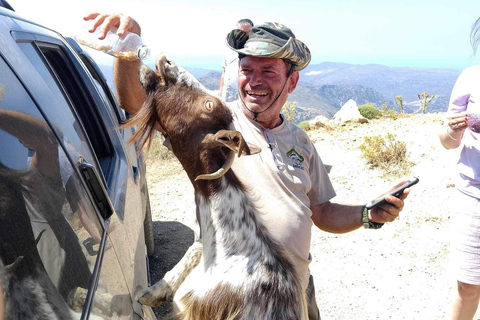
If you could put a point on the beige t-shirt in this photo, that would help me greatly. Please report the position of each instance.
(284, 183)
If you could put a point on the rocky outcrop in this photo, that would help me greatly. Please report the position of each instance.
(349, 113)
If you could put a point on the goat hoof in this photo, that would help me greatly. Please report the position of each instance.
(155, 295)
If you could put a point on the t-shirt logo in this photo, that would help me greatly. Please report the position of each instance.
(297, 159)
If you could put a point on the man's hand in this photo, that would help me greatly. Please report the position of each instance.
(389, 211)
(108, 21)
(130, 93)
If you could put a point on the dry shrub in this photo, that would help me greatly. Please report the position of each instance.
(389, 113)
(157, 151)
(161, 162)
(386, 154)
(290, 111)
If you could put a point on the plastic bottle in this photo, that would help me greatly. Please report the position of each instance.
(129, 47)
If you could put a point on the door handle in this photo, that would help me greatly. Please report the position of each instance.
(97, 188)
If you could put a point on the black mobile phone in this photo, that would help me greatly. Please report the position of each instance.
(396, 193)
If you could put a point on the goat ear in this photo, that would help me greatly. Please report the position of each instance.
(149, 79)
(232, 140)
(165, 74)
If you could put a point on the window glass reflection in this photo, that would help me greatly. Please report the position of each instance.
(49, 231)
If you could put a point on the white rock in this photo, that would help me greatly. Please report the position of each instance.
(349, 112)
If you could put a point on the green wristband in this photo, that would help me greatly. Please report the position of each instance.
(367, 224)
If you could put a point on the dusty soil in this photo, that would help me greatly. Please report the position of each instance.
(401, 271)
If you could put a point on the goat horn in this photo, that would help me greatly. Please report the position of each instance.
(220, 172)
(15, 263)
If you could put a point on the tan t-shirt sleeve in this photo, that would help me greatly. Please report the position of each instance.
(322, 188)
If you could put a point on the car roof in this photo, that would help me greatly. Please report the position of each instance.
(7, 10)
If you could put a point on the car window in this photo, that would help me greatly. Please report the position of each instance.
(50, 232)
(59, 111)
(103, 88)
(44, 214)
(58, 69)
(131, 151)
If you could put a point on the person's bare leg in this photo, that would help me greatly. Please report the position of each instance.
(466, 302)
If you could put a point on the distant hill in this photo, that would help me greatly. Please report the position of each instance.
(200, 73)
(323, 88)
(387, 81)
(328, 99)
(210, 80)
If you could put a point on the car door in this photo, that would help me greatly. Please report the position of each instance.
(91, 259)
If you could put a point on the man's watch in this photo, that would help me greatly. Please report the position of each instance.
(367, 224)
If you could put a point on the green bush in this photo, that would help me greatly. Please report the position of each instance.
(304, 125)
(369, 111)
(386, 154)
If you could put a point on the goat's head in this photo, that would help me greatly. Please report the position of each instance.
(198, 124)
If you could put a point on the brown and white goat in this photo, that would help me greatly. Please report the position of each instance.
(245, 273)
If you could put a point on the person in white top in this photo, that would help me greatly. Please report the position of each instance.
(229, 79)
(463, 130)
(288, 175)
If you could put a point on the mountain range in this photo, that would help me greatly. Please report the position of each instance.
(324, 88)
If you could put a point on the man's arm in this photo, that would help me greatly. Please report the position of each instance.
(36, 135)
(125, 73)
(339, 218)
(336, 218)
(130, 92)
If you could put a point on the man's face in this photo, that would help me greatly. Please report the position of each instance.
(261, 80)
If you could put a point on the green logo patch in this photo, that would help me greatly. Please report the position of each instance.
(297, 159)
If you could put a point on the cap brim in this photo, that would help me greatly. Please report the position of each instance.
(236, 39)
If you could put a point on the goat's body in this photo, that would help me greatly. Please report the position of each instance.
(243, 271)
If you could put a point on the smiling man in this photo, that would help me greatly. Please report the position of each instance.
(287, 179)
(292, 186)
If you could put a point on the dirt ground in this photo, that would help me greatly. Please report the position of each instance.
(401, 271)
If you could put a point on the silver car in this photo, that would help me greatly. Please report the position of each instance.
(75, 222)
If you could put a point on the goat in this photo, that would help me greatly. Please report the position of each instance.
(29, 292)
(245, 273)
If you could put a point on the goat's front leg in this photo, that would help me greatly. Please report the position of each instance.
(158, 294)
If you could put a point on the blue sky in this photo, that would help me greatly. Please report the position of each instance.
(406, 33)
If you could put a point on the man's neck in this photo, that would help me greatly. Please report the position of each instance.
(263, 119)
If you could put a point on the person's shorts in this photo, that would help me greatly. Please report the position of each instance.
(465, 246)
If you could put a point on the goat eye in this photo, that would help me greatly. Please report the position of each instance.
(209, 105)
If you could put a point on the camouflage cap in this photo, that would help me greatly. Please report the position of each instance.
(270, 40)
